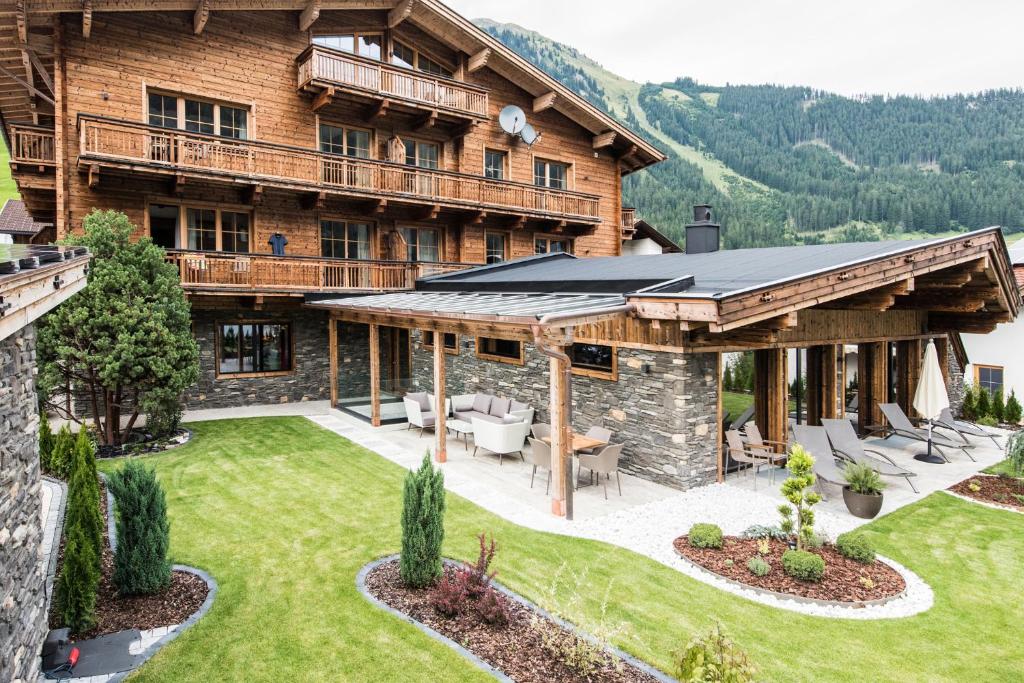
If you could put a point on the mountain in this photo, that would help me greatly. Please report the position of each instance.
(792, 165)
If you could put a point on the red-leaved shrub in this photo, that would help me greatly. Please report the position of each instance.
(449, 595)
(493, 608)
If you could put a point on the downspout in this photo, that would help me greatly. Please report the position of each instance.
(538, 330)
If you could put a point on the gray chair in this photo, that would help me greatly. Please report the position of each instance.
(900, 425)
(815, 441)
(539, 456)
(963, 428)
(599, 433)
(541, 430)
(739, 452)
(604, 461)
(846, 444)
(743, 419)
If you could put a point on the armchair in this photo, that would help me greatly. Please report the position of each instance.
(499, 437)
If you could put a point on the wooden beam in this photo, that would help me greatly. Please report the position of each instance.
(332, 336)
(605, 139)
(478, 60)
(256, 195)
(86, 18)
(40, 69)
(309, 15)
(426, 121)
(400, 13)
(375, 375)
(28, 86)
(561, 456)
(440, 431)
(201, 16)
(908, 371)
(179, 184)
(21, 19)
(323, 99)
(377, 110)
(94, 176)
(544, 102)
(872, 383)
(771, 393)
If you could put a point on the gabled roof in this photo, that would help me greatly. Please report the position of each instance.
(14, 220)
(644, 230)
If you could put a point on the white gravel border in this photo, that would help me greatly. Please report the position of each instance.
(984, 503)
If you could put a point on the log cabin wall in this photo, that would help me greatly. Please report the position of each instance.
(249, 60)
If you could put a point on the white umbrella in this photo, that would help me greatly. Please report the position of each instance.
(931, 397)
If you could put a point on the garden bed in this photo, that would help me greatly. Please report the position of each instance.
(140, 442)
(1004, 491)
(517, 649)
(845, 580)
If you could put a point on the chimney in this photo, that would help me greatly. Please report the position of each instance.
(702, 236)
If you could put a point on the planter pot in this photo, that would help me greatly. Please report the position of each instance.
(861, 505)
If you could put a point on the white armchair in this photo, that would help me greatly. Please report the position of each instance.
(418, 411)
(499, 438)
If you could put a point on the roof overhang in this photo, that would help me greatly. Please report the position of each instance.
(35, 279)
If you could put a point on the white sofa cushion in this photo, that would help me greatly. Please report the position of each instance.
(481, 403)
(499, 407)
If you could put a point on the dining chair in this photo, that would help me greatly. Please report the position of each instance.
(605, 461)
(541, 430)
(539, 455)
(599, 433)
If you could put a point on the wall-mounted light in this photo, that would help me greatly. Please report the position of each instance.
(645, 368)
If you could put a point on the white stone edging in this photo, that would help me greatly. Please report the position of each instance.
(985, 503)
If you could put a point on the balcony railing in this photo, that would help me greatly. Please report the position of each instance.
(628, 221)
(32, 145)
(267, 273)
(310, 170)
(332, 67)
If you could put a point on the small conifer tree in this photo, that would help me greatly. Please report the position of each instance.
(61, 455)
(1013, 409)
(798, 490)
(83, 510)
(46, 439)
(998, 406)
(983, 404)
(422, 525)
(143, 532)
(969, 407)
(78, 582)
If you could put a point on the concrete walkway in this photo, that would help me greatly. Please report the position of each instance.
(53, 494)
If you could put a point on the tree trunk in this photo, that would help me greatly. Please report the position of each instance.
(131, 422)
(97, 422)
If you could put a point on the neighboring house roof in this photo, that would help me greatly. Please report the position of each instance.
(644, 230)
(14, 220)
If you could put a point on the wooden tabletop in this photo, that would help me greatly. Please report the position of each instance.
(580, 442)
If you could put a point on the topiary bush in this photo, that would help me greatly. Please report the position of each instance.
(856, 547)
(803, 565)
(61, 455)
(987, 421)
(1013, 409)
(798, 490)
(713, 657)
(758, 566)
(143, 532)
(705, 536)
(83, 506)
(969, 406)
(422, 525)
(46, 439)
(78, 582)
(998, 409)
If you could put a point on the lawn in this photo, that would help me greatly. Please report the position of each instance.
(735, 402)
(8, 190)
(283, 514)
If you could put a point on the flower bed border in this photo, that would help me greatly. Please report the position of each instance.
(986, 503)
(854, 605)
(480, 663)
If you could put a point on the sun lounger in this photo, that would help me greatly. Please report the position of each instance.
(962, 428)
(743, 419)
(846, 444)
(900, 425)
(815, 441)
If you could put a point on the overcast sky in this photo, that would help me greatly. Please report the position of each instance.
(868, 46)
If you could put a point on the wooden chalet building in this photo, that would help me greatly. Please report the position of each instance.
(290, 148)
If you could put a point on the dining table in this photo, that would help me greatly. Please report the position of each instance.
(581, 442)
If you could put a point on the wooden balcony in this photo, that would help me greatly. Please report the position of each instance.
(138, 147)
(32, 146)
(265, 273)
(322, 68)
(628, 222)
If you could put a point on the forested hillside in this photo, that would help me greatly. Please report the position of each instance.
(788, 165)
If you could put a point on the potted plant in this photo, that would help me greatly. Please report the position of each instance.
(863, 490)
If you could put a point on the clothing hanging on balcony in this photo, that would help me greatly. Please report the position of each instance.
(395, 246)
(277, 242)
(396, 150)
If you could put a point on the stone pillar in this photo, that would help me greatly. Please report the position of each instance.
(23, 585)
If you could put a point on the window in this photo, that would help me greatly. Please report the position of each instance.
(551, 245)
(253, 347)
(550, 174)
(594, 360)
(234, 228)
(345, 239)
(495, 247)
(348, 141)
(504, 350)
(362, 44)
(198, 116)
(495, 162)
(422, 244)
(989, 377)
(201, 229)
(410, 58)
(451, 341)
(422, 154)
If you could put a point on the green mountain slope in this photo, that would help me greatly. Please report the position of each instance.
(790, 165)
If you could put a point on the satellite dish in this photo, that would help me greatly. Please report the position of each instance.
(512, 119)
(529, 134)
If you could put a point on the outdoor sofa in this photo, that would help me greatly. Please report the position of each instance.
(489, 408)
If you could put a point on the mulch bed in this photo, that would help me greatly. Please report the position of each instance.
(516, 650)
(994, 489)
(841, 583)
(140, 441)
(114, 613)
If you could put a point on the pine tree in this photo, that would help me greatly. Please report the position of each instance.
(422, 525)
(1013, 409)
(998, 406)
(969, 406)
(83, 507)
(143, 532)
(727, 379)
(78, 582)
(46, 439)
(983, 406)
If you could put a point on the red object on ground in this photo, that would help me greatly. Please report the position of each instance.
(73, 656)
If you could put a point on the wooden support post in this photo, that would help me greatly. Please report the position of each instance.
(908, 371)
(561, 456)
(771, 404)
(440, 431)
(375, 374)
(872, 381)
(832, 392)
(822, 381)
(332, 337)
(721, 425)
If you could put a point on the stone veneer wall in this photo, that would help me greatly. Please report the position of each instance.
(955, 385)
(22, 589)
(353, 360)
(666, 417)
(309, 382)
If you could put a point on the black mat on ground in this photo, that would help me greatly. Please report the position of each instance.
(106, 655)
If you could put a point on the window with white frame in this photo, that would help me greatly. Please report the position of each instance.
(197, 115)
(553, 174)
(422, 244)
(422, 154)
(495, 164)
(345, 239)
(353, 142)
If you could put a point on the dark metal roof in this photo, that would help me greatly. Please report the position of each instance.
(16, 258)
(709, 275)
(645, 230)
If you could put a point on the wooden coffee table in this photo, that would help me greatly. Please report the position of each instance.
(460, 427)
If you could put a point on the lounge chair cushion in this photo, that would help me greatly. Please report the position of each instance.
(511, 419)
(499, 407)
(429, 419)
(481, 403)
(516, 405)
(463, 403)
(421, 398)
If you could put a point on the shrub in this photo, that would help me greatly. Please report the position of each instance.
(863, 479)
(46, 439)
(856, 547)
(61, 455)
(764, 546)
(969, 406)
(78, 582)
(758, 566)
(762, 531)
(988, 421)
(1015, 453)
(1013, 409)
(803, 565)
(705, 536)
(797, 489)
(475, 577)
(143, 532)
(983, 403)
(422, 525)
(83, 506)
(714, 657)
(815, 541)
(973, 486)
(493, 608)
(163, 415)
(998, 406)
(449, 596)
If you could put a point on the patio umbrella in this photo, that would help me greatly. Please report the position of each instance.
(931, 397)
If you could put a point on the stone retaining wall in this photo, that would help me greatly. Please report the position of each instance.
(663, 406)
(22, 590)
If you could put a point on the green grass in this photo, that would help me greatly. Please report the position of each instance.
(8, 190)
(735, 403)
(283, 514)
(1001, 467)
